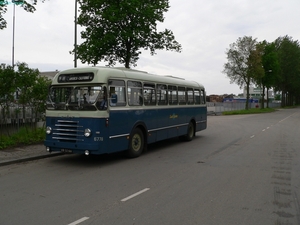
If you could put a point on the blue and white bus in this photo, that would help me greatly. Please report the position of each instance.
(98, 110)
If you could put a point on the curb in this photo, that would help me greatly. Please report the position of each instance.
(30, 158)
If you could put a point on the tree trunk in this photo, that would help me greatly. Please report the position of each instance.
(267, 97)
(247, 97)
(263, 98)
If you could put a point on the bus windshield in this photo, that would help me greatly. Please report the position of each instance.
(76, 98)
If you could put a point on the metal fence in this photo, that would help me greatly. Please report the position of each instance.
(15, 117)
(219, 107)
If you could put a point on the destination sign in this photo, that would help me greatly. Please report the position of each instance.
(76, 77)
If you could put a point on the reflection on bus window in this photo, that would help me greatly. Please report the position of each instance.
(190, 96)
(202, 97)
(74, 98)
(197, 96)
(117, 95)
(162, 97)
(135, 95)
(149, 94)
(181, 96)
(172, 95)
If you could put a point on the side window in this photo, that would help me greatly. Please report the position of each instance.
(190, 96)
(202, 97)
(149, 94)
(197, 96)
(162, 97)
(117, 96)
(172, 95)
(135, 94)
(181, 95)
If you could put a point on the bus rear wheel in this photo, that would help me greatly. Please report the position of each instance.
(136, 143)
(190, 133)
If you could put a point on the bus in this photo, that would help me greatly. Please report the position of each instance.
(99, 110)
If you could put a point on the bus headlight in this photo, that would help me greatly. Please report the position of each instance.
(87, 132)
(48, 130)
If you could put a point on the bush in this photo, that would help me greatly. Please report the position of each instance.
(25, 136)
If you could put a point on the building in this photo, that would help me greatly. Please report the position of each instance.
(50, 74)
(256, 93)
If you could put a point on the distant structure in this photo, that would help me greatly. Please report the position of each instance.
(219, 98)
(256, 92)
(50, 74)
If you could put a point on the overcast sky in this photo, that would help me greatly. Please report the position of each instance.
(205, 29)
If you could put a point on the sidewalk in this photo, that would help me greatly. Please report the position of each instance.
(24, 153)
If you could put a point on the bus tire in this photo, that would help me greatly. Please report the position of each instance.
(190, 133)
(136, 143)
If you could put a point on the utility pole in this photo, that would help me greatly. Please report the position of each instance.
(75, 36)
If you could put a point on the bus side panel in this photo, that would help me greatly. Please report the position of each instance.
(162, 120)
(119, 130)
(184, 117)
(151, 124)
(201, 118)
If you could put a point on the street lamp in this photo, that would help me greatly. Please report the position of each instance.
(75, 36)
(14, 2)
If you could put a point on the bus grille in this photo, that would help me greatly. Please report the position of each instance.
(68, 131)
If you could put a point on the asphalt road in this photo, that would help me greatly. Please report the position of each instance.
(241, 170)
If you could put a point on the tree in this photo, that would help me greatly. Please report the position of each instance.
(271, 67)
(289, 76)
(244, 63)
(33, 89)
(22, 3)
(116, 30)
(7, 90)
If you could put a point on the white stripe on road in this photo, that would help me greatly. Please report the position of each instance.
(79, 221)
(134, 195)
(252, 136)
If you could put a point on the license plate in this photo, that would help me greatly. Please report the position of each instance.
(66, 150)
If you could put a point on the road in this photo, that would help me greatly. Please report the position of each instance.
(241, 170)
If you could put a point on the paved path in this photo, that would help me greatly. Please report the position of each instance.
(24, 153)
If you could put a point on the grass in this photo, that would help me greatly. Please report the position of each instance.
(249, 111)
(25, 136)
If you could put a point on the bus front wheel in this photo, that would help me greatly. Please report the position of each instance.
(136, 143)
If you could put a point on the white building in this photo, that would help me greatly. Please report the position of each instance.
(256, 93)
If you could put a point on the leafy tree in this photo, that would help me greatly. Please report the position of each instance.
(33, 89)
(39, 93)
(116, 30)
(244, 63)
(271, 67)
(29, 7)
(7, 89)
(289, 76)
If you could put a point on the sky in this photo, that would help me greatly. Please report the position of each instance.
(205, 29)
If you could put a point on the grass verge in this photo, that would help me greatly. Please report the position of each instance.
(249, 111)
(25, 136)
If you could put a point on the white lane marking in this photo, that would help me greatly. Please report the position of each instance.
(79, 221)
(252, 136)
(287, 117)
(264, 130)
(135, 194)
(268, 128)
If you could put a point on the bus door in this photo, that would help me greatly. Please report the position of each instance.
(118, 124)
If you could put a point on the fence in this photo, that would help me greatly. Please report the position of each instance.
(16, 117)
(219, 107)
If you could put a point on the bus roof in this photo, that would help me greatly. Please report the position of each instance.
(102, 74)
